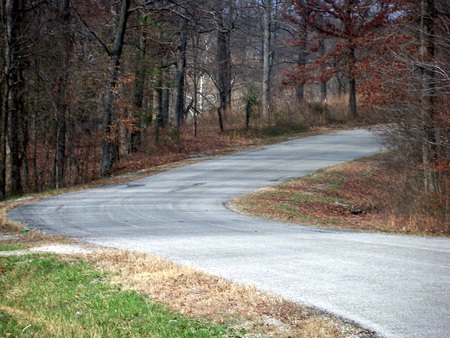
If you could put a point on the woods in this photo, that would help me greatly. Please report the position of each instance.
(85, 83)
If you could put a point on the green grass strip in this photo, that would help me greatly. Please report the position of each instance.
(11, 247)
(41, 296)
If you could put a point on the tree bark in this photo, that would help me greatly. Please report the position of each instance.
(180, 78)
(301, 62)
(266, 59)
(224, 65)
(352, 82)
(136, 133)
(12, 165)
(62, 106)
(109, 140)
(323, 82)
(195, 80)
(3, 140)
(426, 55)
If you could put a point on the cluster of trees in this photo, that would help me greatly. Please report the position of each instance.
(395, 56)
(410, 84)
(83, 82)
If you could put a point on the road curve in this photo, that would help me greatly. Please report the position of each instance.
(398, 286)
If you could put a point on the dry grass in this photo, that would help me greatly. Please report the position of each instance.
(30, 238)
(331, 197)
(194, 293)
(197, 294)
(334, 112)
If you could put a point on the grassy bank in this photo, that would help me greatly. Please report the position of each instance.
(113, 293)
(362, 195)
(43, 296)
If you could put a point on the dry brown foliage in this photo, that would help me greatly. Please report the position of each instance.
(374, 188)
(194, 293)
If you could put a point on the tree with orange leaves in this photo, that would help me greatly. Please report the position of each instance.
(353, 24)
(409, 82)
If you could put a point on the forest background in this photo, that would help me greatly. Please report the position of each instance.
(87, 86)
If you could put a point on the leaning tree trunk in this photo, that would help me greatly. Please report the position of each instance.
(109, 139)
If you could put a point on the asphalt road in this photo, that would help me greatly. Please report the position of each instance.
(398, 286)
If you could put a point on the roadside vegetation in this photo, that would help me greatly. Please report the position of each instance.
(371, 194)
(44, 296)
(112, 293)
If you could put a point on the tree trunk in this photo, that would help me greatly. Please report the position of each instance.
(12, 107)
(109, 140)
(301, 62)
(224, 65)
(2, 140)
(426, 55)
(136, 133)
(195, 80)
(352, 83)
(266, 60)
(323, 82)
(62, 106)
(165, 104)
(180, 78)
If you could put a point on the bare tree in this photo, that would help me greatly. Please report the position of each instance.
(109, 142)
(266, 58)
(11, 175)
(62, 107)
(180, 75)
(225, 24)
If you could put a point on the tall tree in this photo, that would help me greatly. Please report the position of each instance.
(140, 80)
(224, 16)
(12, 107)
(109, 141)
(267, 20)
(62, 106)
(298, 16)
(428, 87)
(180, 75)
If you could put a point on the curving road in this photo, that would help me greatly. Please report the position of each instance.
(398, 286)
